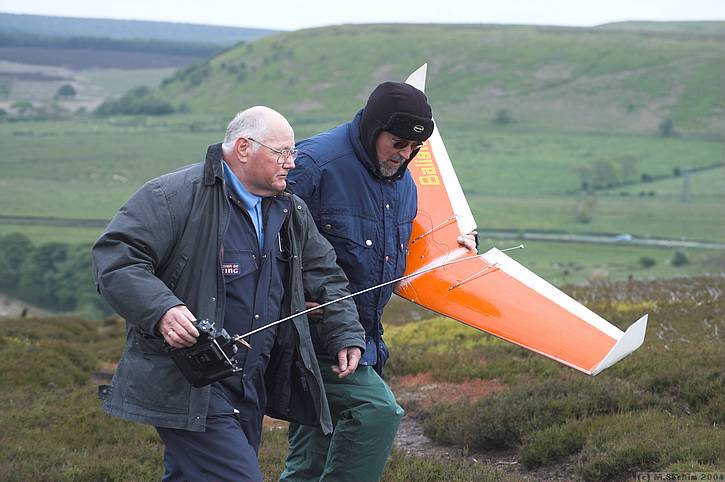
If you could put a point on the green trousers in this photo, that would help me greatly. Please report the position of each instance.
(365, 416)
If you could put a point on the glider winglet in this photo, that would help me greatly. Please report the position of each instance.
(630, 341)
(417, 78)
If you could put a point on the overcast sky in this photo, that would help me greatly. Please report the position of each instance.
(292, 15)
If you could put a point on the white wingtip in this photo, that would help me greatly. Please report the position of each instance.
(417, 78)
(630, 341)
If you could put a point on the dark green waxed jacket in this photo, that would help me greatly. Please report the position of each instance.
(162, 249)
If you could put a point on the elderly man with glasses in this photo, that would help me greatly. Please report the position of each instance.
(354, 178)
(221, 240)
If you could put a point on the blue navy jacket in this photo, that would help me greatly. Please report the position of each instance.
(254, 283)
(367, 220)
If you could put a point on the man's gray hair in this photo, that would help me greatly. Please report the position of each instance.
(247, 123)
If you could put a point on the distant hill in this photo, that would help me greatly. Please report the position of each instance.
(79, 43)
(128, 29)
(19, 39)
(620, 79)
(100, 52)
(704, 28)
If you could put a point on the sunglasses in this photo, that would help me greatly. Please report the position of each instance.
(400, 144)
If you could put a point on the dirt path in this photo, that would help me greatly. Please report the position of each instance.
(13, 308)
(418, 394)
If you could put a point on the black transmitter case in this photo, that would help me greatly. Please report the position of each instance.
(210, 359)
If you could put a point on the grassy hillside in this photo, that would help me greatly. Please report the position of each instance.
(547, 78)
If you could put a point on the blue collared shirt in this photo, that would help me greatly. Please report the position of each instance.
(252, 203)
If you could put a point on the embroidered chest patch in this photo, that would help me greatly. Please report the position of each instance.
(230, 269)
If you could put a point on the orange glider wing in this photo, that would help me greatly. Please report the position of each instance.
(493, 292)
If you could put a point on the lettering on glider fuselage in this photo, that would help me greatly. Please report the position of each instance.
(427, 168)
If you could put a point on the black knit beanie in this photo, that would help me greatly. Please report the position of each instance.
(398, 108)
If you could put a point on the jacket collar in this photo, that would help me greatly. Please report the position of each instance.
(213, 164)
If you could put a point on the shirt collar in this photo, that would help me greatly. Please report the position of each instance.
(245, 197)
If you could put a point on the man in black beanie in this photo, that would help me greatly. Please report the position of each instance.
(396, 110)
(363, 200)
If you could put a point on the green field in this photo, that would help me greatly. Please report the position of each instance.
(39, 84)
(115, 82)
(576, 263)
(522, 180)
(583, 112)
(87, 169)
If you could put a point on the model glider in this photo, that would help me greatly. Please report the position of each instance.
(493, 292)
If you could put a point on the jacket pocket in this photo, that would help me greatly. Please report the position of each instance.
(154, 382)
(353, 238)
(150, 345)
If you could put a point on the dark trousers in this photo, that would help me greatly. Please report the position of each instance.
(226, 451)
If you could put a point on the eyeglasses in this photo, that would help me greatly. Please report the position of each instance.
(284, 155)
(400, 144)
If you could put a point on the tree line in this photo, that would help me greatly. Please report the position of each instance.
(138, 101)
(20, 39)
(55, 276)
